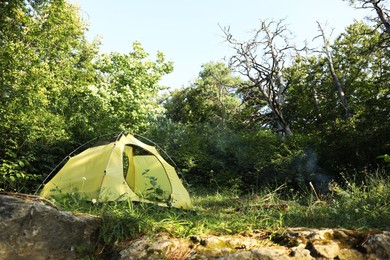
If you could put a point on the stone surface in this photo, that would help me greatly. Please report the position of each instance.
(377, 245)
(30, 229)
(305, 244)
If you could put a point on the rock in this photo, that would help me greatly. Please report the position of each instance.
(300, 252)
(159, 247)
(305, 244)
(328, 250)
(378, 245)
(31, 229)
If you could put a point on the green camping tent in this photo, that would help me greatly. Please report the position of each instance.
(121, 170)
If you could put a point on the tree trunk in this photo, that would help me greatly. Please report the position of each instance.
(382, 15)
(339, 86)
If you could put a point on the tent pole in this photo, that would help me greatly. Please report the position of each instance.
(108, 161)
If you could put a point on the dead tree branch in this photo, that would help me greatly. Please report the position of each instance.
(261, 59)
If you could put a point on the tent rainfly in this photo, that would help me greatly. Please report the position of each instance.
(121, 170)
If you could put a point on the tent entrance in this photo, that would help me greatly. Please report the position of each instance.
(145, 174)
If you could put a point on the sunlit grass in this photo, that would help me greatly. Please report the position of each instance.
(355, 205)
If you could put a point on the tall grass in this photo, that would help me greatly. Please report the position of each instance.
(356, 204)
(353, 205)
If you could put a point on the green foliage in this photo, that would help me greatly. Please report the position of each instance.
(58, 92)
(312, 104)
(12, 177)
(355, 205)
(247, 160)
(209, 100)
(386, 158)
(154, 193)
(206, 135)
(127, 88)
(41, 46)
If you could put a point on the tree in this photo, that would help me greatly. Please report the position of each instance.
(339, 84)
(379, 8)
(307, 103)
(209, 100)
(317, 111)
(197, 130)
(43, 54)
(127, 87)
(262, 62)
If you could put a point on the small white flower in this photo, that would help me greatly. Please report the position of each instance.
(94, 201)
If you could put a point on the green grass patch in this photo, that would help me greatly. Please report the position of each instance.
(364, 205)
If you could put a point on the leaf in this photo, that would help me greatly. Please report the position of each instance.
(385, 157)
(145, 172)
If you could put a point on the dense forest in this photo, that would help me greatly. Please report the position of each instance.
(272, 114)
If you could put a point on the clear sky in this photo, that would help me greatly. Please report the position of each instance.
(188, 32)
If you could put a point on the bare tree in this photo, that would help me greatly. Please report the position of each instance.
(261, 60)
(339, 84)
(378, 7)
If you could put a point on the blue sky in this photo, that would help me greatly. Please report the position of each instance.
(188, 32)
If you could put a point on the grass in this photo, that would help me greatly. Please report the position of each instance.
(355, 205)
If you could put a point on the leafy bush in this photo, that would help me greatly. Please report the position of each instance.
(13, 176)
(243, 159)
